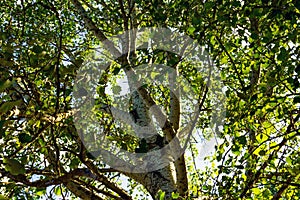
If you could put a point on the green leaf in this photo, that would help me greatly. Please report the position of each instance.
(242, 140)
(208, 5)
(256, 191)
(74, 163)
(175, 195)
(14, 166)
(3, 197)
(196, 20)
(254, 36)
(57, 191)
(262, 152)
(5, 84)
(116, 70)
(116, 89)
(191, 30)
(24, 138)
(7, 106)
(153, 74)
(296, 99)
(296, 84)
(42, 142)
(37, 49)
(40, 192)
(282, 55)
(161, 195)
(289, 161)
(2, 122)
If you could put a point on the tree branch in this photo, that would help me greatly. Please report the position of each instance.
(233, 64)
(108, 45)
(81, 192)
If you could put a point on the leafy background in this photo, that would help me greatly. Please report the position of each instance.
(254, 44)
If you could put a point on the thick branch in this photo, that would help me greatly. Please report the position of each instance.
(278, 194)
(52, 181)
(81, 192)
(108, 45)
(101, 178)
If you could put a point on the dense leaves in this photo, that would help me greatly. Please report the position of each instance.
(254, 45)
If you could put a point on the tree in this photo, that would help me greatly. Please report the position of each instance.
(45, 47)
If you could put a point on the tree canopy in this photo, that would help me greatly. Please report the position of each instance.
(243, 92)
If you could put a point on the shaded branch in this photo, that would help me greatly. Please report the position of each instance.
(233, 63)
(268, 161)
(108, 45)
(52, 181)
(81, 192)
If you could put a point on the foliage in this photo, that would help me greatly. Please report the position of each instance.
(254, 45)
